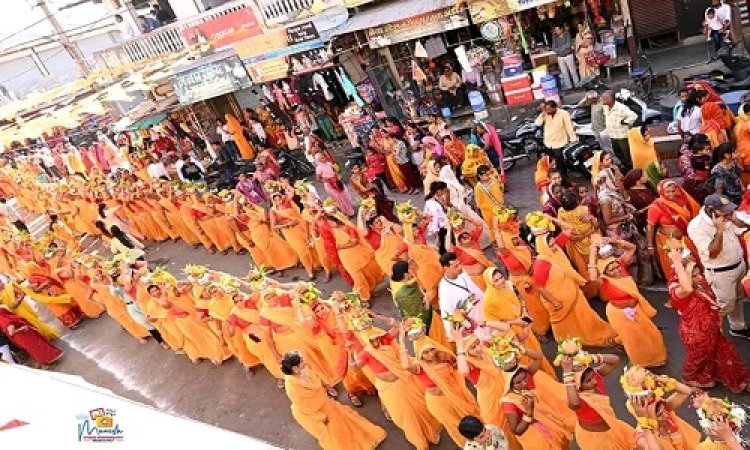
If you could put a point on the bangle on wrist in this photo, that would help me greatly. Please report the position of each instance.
(528, 419)
(646, 423)
(461, 353)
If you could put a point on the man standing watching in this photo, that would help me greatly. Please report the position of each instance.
(566, 59)
(558, 131)
(716, 234)
(619, 119)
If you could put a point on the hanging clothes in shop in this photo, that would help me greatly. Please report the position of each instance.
(290, 93)
(351, 63)
(350, 89)
(435, 47)
(320, 83)
(267, 93)
(420, 51)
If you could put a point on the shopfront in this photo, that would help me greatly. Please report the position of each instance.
(207, 87)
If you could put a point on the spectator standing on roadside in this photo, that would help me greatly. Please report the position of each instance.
(558, 131)
(619, 119)
(566, 58)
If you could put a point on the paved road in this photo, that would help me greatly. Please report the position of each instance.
(107, 356)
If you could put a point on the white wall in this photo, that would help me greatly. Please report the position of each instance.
(185, 8)
(21, 74)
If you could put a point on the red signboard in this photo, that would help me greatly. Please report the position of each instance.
(225, 30)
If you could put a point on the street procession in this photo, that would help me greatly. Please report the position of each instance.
(361, 224)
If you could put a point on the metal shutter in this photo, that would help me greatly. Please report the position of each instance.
(651, 18)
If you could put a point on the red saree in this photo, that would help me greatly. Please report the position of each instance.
(29, 340)
(709, 355)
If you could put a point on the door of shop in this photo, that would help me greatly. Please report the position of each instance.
(690, 14)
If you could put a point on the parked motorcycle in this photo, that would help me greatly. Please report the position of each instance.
(739, 65)
(578, 157)
(527, 139)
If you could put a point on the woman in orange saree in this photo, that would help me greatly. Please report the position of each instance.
(276, 251)
(48, 291)
(742, 139)
(401, 394)
(446, 395)
(672, 432)
(628, 311)
(597, 427)
(539, 421)
(247, 151)
(476, 364)
(76, 282)
(517, 257)
(154, 302)
(560, 287)
(357, 257)
(583, 227)
(279, 321)
(115, 307)
(424, 260)
(400, 182)
(13, 297)
(245, 321)
(190, 218)
(500, 303)
(220, 308)
(335, 426)
(328, 327)
(488, 194)
(668, 218)
(469, 251)
(171, 206)
(285, 216)
(713, 123)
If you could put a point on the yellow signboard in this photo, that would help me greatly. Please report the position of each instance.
(269, 70)
(486, 10)
(261, 44)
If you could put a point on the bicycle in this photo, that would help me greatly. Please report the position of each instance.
(650, 86)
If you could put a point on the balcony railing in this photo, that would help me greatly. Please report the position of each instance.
(279, 11)
(163, 40)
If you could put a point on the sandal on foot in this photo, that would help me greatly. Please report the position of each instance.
(355, 401)
(333, 393)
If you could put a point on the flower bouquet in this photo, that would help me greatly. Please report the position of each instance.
(160, 275)
(329, 205)
(406, 212)
(416, 328)
(310, 295)
(195, 272)
(711, 410)
(257, 277)
(454, 217)
(301, 187)
(640, 382)
(368, 204)
(360, 321)
(503, 350)
(504, 213)
(459, 318)
(539, 223)
(572, 347)
(229, 283)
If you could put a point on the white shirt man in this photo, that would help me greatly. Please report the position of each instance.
(157, 170)
(456, 286)
(128, 30)
(260, 131)
(717, 238)
(178, 167)
(723, 13)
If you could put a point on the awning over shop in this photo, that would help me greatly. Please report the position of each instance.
(392, 11)
(486, 10)
(126, 124)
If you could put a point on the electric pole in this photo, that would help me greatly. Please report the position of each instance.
(70, 47)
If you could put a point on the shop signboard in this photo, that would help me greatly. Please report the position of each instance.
(416, 27)
(210, 80)
(225, 30)
(279, 43)
(485, 10)
(269, 70)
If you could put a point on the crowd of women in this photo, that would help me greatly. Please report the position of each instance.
(465, 318)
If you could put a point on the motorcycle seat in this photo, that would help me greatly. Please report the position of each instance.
(637, 73)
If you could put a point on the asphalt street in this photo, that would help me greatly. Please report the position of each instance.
(104, 354)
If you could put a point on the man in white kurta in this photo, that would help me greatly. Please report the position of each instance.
(455, 286)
